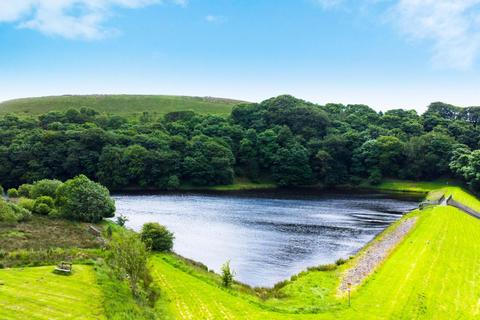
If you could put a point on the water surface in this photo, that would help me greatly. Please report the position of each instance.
(267, 236)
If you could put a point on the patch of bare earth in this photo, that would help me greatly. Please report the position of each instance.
(375, 254)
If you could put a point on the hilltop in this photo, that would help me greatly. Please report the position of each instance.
(126, 105)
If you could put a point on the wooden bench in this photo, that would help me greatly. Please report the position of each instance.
(64, 268)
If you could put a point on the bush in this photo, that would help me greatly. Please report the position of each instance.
(10, 212)
(157, 237)
(54, 214)
(1, 190)
(26, 203)
(45, 187)
(42, 209)
(12, 193)
(24, 190)
(227, 275)
(84, 200)
(128, 258)
(43, 205)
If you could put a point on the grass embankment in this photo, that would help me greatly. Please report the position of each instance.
(38, 293)
(432, 274)
(409, 186)
(125, 105)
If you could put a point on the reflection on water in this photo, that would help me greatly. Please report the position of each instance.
(267, 237)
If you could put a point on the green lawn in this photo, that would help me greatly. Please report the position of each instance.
(126, 105)
(432, 274)
(38, 293)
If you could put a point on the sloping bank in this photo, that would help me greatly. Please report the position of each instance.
(429, 272)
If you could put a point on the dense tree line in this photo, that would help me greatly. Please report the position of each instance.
(285, 139)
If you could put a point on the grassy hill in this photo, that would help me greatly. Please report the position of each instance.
(432, 274)
(126, 105)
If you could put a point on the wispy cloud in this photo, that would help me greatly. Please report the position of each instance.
(72, 19)
(215, 19)
(450, 27)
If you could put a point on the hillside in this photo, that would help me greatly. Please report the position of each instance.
(431, 274)
(126, 105)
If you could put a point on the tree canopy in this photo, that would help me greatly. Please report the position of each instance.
(284, 139)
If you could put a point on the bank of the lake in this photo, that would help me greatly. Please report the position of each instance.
(269, 235)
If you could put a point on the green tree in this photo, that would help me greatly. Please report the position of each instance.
(84, 200)
(157, 237)
(227, 275)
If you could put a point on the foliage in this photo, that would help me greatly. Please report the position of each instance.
(26, 203)
(45, 187)
(43, 205)
(12, 193)
(157, 237)
(84, 200)
(128, 259)
(24, 190)
(285, 140)
(121, 220)
(10, 212)
(1, 191)
(227, 275)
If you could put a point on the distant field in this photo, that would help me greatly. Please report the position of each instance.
(126, 105)
(432, 274)
(37, 293)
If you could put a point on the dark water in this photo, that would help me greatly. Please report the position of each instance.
(267, 237)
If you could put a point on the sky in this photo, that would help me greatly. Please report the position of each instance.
(383, 53)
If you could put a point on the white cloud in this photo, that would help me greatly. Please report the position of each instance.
(452, 26)
(68, 18)
(215, 19)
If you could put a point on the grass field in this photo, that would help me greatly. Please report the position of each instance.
(432, 274)
(38, 293)
(125, 105)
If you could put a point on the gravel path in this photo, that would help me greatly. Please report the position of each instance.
(374, 255)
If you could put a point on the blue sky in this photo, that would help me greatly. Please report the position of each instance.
(384, 53)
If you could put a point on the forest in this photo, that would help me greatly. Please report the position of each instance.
(284, 139)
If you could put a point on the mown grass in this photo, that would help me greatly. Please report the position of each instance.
(125, 105)
(38, 293)
(432, 274)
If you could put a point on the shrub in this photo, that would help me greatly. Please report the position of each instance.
(26, 203)
(10, 212)
(45, 187)
(128, 258)
(6, 212)
(340, 261)
(1, 190)
(24, 190)
(84, 200)
(43, 205)
(54, 214)
(157, 237)
(42, 209)
(227, 275)
(12, 193)
(121, 220)
(21, 214)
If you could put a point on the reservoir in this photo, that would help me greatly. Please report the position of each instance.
(267, 236)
